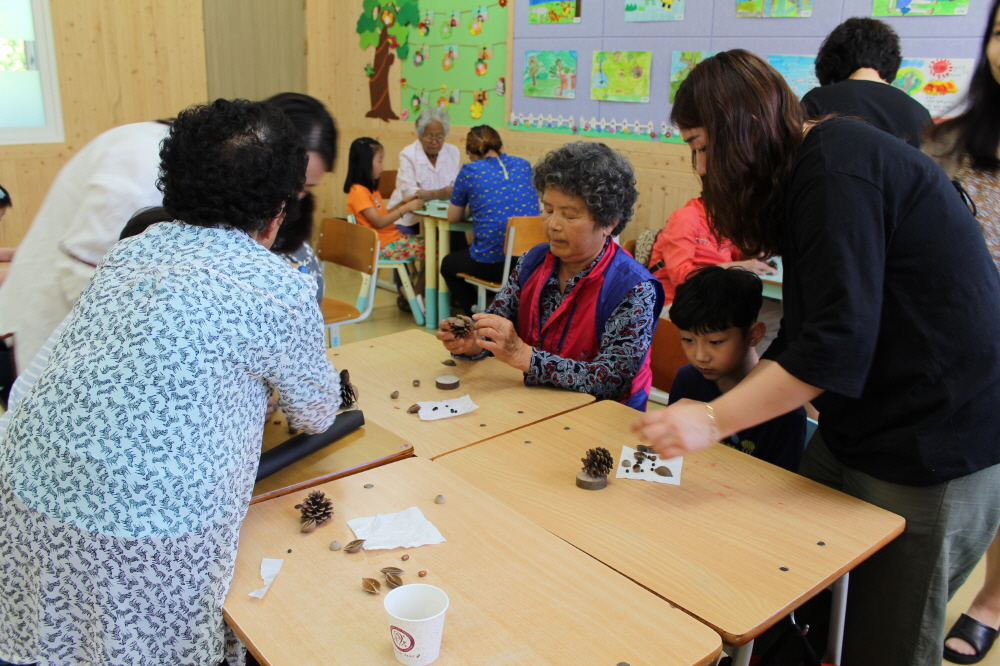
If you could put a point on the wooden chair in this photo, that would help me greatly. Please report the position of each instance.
(367, 292)
(352, 246)
(523, 233)
(666, 356)
(387, 184)
(629, 246)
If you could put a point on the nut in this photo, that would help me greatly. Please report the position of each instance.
(371, 586)
(416, 382)
(309, 525)
(413, 409)
(392, 570)
(335, 545)
(440, 499)
(405, 557)
(449, 361)
(354, 546)
(393, 580)
(394, 395)
(422, 574)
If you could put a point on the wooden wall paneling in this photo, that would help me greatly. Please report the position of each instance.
(119, 61)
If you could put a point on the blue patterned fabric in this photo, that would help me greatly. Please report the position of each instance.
(494, 189)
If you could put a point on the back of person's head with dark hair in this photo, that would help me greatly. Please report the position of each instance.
(5, 200)
(714, 299)
(313, 121)
(977, 129)
(858, 42)
(144, 219)
(482, 139)
(753, 124)
(359, 163)
(599, 175)
(232, 163)
(293, 233)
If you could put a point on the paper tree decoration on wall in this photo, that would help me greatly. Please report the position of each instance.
(386, 26)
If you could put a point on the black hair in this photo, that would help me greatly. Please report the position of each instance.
(313, 121)
(713, 299)
(977, 130)
(293, 233)
(359, 163)
(599, 175)
(858, 42)
(232, 163)
(143, 219)
(5, 200)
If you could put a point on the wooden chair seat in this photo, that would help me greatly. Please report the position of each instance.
(334, 310)
(486, 283)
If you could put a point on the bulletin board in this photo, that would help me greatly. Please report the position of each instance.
(636, 46)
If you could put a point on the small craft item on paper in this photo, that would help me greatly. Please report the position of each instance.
(405, 529)
(670, 469)
(268, 570)
(432, 411)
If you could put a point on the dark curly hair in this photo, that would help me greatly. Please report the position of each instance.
(599, 175)
(232, 163)
(858, 42)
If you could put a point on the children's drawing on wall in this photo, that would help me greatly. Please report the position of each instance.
(939, 84)
(920, 7)
(799, 71)
(450, 56)
(554, 11)
(654, 10)
(550, 74)
(681, 64)
(387, 28)
(774, 8)
(621, 76)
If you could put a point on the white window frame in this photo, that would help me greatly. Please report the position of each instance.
(45, 54)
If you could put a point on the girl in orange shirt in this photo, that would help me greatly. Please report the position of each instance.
(364, 168)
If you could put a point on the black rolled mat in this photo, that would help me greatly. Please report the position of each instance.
(301, 445)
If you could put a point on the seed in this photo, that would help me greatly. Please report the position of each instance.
(440, 499)
(450, 361)
(392, 570)
(636, 468)
(422, 574)
(277, 423)
(298, 507)
(289, 550)
(370, 585)
(393, 580)
(405, 557)
(413, 409)
(368, 485)
(394, 395)
(353, 546)
(663, 471)
(335, 545)
(308, 526)
(416, 382)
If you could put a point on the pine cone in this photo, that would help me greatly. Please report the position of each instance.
(348, 391)
(317, 508)
(598, 462)
(461, 326)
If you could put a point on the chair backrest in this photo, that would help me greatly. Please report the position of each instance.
(387, 184)
(666, 355)
(350, 245)
(530, 233)
(629, 246)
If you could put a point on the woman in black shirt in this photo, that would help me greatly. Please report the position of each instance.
(891, 307)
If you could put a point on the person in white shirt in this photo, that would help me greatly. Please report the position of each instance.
(428, 166)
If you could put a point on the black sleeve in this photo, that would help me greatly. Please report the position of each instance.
(837, 233)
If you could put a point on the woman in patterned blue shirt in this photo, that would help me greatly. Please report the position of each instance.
(495, 186)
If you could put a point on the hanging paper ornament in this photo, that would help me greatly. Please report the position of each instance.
(453, 97)
(482, 15)
(486, 53)
(369, 70)
(393, 42)
(480, 67)
(503, 3)
(428, 18)
(415, 102)
(454, 20)
(442, 102)
(419, 57)
(501, 86)
(448, 62)
(425, 100)
(423, 28)
(476, 110)
(388, 18)
(476, 27)
(446, 29)
(404, 114)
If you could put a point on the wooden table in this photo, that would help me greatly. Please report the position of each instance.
(739, 544)
(390, 363)
(368, 446)
(437, 245)
(518, 595)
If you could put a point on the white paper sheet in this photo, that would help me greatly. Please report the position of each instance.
(268, 570)
(405, 529)
(627, 459)
(432, 411)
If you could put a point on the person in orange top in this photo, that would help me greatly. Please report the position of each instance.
(686, 244)
(364, 168)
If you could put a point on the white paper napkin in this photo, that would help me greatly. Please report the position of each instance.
(405, 529)
(268, 570)
(646, 472)
(432, 411)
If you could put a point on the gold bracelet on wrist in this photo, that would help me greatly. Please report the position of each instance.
(713, 425)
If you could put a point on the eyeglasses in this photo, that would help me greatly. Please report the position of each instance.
(433, 137)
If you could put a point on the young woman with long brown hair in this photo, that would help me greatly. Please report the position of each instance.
(890, 302)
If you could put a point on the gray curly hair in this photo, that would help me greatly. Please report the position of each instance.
(429, 115)
(599, 175)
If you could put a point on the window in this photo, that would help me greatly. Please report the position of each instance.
(30, 111)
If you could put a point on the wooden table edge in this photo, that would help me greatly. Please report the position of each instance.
(332, 476)
(502, 434)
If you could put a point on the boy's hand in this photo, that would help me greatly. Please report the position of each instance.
(503, 340)
(466, 346)
(683, 427)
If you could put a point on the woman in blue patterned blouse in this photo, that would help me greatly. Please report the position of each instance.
(495, 186)
(127, 468)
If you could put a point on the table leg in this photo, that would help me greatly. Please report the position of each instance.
(430, 271)
(444, 249)
(838, 611)
(740, 655)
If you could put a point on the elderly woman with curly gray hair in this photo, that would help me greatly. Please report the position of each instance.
(577, 312)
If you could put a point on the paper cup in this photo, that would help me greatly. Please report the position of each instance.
(416, 621)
